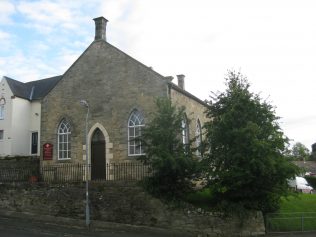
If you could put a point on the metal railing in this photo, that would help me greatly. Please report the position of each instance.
(59, 173)
(19, 174)
(292, 221)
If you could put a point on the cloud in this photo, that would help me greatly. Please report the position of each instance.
(6, 42)
(49, 16)
(6, 10)
(4, 36)
(17, 67)
(115, 10)
(24, 68)
(44, 12)
(41, 27)
(301, 129)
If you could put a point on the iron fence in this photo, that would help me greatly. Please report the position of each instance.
(19, 174)
(61, 173)
(292, 221)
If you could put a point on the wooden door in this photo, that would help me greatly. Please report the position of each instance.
(98, 156)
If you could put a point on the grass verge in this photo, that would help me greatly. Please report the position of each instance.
(297, 213)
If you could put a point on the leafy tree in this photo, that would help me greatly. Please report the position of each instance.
(300, 152)
(172, 161)
(245, 157)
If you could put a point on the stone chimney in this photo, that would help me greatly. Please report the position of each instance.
(181, 81)
(100, 28)
(169, 78)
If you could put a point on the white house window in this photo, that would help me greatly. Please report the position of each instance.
(135, 125)
(1, 111)
(185, 131)
(64, 140)
(1, 135)
(198, 137)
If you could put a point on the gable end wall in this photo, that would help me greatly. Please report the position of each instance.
(113, 84)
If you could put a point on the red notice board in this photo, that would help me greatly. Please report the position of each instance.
(47, 151)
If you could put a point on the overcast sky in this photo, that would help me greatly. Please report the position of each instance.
(272, 42)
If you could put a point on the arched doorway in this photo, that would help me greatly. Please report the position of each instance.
(98, 155)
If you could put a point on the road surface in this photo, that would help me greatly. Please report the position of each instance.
(17, 227)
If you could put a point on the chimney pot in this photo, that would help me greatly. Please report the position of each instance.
(181, 81)
(100, 28)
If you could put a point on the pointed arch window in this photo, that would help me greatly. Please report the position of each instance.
(185, 131)
(64, 140)
(135, 124)
(1, 112)
(2, 103)
(198, 138)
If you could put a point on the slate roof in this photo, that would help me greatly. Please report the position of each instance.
(309, 166)
(33, 90)
(188, 94)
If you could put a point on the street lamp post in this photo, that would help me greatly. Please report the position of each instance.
(84, 103)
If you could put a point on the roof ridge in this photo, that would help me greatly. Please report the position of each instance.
(32, 90)
(29, 82)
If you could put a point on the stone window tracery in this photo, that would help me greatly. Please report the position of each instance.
(135, 124)
(185, 131)
(64, 140)
(1, 112)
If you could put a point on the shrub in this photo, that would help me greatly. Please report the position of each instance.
(245, 150)
(311, 180)
(172, 161)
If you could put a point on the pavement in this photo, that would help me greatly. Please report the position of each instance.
(18, 224)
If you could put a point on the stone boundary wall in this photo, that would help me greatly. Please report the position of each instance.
(122, 202)
(19, 161)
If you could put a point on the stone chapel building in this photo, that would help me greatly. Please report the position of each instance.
(120, 92)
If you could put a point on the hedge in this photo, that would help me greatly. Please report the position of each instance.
(311, 180)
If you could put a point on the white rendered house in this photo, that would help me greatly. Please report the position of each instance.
(20, 115)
